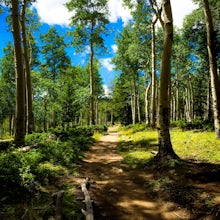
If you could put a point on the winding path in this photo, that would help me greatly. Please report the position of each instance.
(120, 193)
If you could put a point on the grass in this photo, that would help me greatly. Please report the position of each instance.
(136, 147)
(185, 184)
(198, 146)
(97, 136)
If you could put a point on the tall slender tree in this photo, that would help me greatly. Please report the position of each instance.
(27, 71)
(20, 84)
(89, 20)
(165, 146)
(215, 86)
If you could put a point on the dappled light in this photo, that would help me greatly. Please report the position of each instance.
(120, 189)
(109, 109)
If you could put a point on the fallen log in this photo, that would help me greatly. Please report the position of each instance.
(88, 202)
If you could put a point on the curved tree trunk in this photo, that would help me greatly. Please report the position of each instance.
(215, 87)
(20, 86)
(147, 117)
(165, 147)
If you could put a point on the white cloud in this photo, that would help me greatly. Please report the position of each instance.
(86, 51)
(118, 11)
(53, 12)
(106, 62)
(180, 9)
(114, 48)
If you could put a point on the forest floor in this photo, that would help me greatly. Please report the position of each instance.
(190, 191)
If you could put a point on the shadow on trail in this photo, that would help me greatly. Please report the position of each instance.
(118, 191)
(193, 186)
(147, 145)
(185, 190)
(190, 185)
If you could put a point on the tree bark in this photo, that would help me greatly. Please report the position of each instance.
(147, 117)
(138, 106)
(97, 112)
(112, 117)
(29, 106)
(133, 100)
(208, 114)
(215, 87)
(153, 75)
(11, 124)
(92, 107)
(45, 115)
(165, 147)
(20, 86)
(177, 98)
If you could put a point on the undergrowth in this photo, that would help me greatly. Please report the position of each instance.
(28, 178)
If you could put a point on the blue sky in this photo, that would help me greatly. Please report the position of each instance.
(52, 12)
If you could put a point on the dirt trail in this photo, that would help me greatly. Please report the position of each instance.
(120, 193)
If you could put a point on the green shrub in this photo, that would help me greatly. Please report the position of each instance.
(16, 176)
(36, 138)
(9, 170)
(29, 162)
(48, 172)
(4, 145)
(194, 125)
(65, 134)
(179, 124)
(134, 128)
(99, 128)
(22, 173)
(64, 153)
(81, 131)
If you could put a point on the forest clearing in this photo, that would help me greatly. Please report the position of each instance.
(108, 110)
